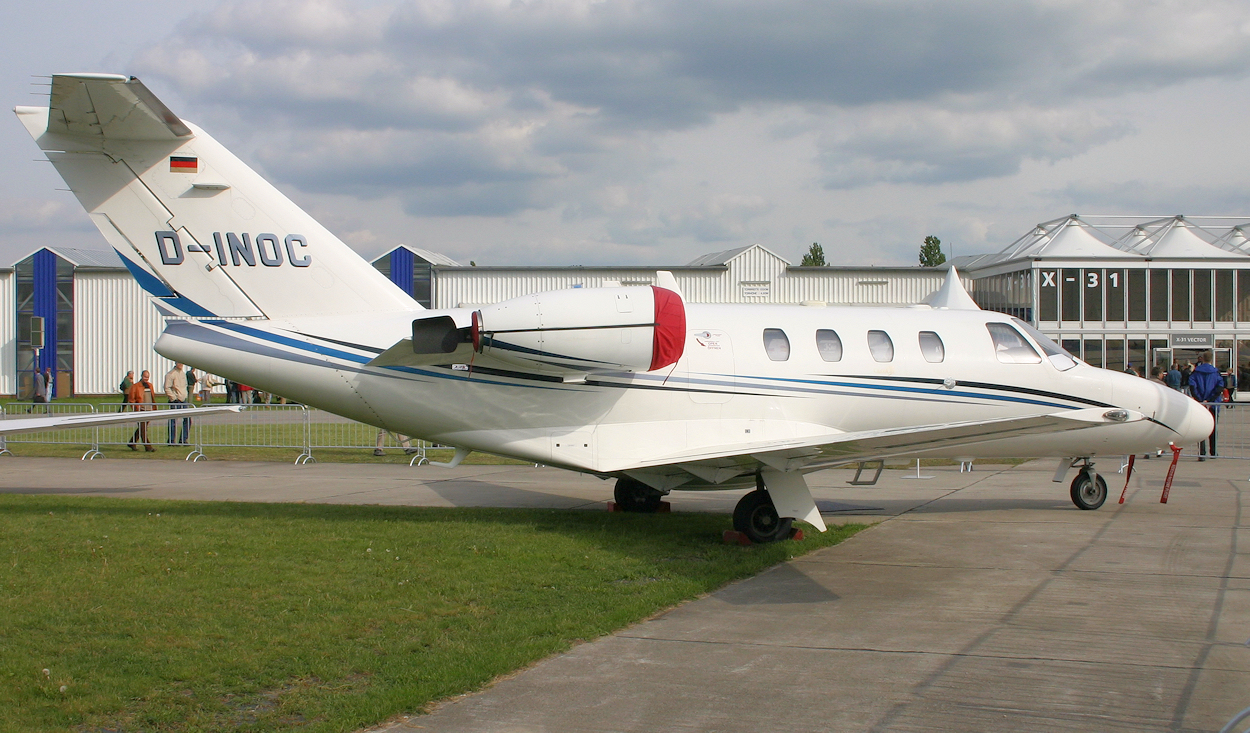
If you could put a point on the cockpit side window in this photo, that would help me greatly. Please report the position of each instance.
(776, 344)
(1010, 346)
(932, 348)
(1055, 353)
(829, 345)
(880, 346)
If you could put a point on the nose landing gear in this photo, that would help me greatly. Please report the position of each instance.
(1089, 490)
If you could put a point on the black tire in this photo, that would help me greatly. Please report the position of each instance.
(756, 517)
(1088, 493)
(635, 496)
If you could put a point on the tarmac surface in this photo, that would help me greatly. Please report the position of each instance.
(980, 601)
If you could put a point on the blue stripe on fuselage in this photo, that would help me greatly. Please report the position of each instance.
(359, 359)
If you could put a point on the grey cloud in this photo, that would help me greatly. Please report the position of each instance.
(914, 91)
(723, 218)
(36, 215)
(668, 64)
(912, 144)
(375, 163)
(1140, 197)
(499, 198)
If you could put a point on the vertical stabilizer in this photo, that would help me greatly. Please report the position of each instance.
(211, 236)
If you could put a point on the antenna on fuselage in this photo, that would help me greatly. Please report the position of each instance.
(952, 294)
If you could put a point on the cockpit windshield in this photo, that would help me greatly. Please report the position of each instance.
(1055, 353)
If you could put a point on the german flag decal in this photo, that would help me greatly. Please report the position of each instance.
(183, 164)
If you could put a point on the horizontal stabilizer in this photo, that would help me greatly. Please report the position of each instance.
(110, 106)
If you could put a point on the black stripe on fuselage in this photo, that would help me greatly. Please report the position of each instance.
(349, 344)
(977, 385)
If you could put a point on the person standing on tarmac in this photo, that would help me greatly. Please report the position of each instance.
(141, 397)
(127, 382)
(1207, 386)
(176, 393)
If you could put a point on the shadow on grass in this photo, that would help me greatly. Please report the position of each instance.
(632, 534)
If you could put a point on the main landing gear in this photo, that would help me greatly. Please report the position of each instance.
(764, 515)
(634, 496)
(1089, 490)
(756, 517)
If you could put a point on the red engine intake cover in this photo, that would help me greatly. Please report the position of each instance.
(669, 341)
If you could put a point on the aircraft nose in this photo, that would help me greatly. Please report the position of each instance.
(1197, 423)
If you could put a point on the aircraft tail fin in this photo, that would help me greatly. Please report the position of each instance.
(200, 230)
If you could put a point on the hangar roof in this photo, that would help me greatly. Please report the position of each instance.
(92, 259)
(1175, 237)
(1124, 239)
(724, 257)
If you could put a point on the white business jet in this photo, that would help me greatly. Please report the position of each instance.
(625, 382)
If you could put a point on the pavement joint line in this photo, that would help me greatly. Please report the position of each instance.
(1213, 624)
(919, 689)
(921, 652)
(951, 492)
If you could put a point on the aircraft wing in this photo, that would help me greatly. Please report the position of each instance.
(33, 424)
(822, 451)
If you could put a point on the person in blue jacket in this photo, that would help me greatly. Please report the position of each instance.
(1207, 386)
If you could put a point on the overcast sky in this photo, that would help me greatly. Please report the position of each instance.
(650, 132)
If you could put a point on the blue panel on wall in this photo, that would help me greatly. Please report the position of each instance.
(401, 269)
(44, 266)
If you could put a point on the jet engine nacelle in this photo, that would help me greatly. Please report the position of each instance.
(585, 329)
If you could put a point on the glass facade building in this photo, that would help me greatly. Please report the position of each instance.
(1122, 294)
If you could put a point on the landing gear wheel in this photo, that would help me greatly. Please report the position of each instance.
(1089, 491)
(634, 496)
(756, 517)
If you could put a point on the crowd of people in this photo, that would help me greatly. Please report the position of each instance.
(182, 386)
(1203, 382)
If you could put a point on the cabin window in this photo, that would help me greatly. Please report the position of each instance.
(776, 345)
(1010, 347)
(932, 348)
(829, 345)
(880, 346)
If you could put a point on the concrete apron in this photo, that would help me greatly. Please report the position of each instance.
(981, 601)
(985, 602)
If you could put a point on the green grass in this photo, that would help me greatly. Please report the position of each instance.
(208, 616)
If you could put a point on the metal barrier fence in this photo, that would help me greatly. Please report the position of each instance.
(294, 427)
(1232, 432)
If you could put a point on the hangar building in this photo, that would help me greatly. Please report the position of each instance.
(1114, 291)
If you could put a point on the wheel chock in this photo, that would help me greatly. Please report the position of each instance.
(734, 537)
(665, 507)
